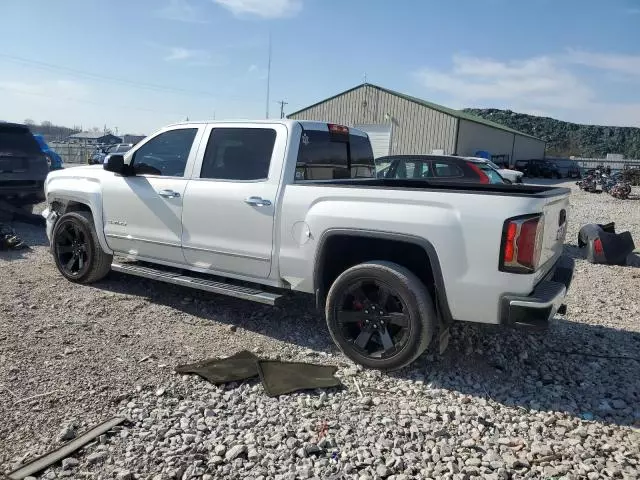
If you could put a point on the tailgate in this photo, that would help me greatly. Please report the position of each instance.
(555, 229)
(13, 163)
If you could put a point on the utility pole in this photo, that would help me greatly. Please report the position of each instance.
(268, 75)
(282, 104)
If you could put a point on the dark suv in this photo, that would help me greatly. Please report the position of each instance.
(23, 165)
(538, 168)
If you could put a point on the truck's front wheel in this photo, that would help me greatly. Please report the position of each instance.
(76, 249)
(380, 315)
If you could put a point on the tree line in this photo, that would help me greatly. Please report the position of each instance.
(565, 138)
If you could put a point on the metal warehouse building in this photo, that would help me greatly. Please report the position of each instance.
(398, 124)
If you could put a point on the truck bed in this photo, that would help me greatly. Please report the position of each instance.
(515, 190)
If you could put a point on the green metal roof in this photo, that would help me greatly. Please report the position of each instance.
(449, 111)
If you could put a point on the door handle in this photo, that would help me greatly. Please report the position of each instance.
(168, 194)
(257, 201)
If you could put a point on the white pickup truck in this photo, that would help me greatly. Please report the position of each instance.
(256, 209)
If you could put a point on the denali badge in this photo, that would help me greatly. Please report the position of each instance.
(115, 222)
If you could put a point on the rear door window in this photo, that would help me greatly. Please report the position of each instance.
(323, 157)
(447, 170)
(238, 154)
(409, 168)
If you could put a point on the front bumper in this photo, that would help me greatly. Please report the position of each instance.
(536, 309)
(50, 217)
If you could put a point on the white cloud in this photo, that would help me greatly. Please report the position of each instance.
(179, 53)
(543, 84)
(473, 80)
(262, 8)
(257, 72)
(181, 11)
(613, 62)
(191, 57)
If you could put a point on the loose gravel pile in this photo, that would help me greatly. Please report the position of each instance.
(498, 404)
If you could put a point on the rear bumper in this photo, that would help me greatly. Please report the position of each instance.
(536, 309)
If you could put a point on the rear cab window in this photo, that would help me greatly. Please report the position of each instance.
(325, 155)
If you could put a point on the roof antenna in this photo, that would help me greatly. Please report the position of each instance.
(268, 75)
(365, 78)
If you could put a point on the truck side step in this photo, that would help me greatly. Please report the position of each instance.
(178, 278)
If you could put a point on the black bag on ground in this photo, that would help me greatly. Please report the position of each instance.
(604, 245)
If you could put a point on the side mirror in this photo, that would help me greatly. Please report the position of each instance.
(115, 163)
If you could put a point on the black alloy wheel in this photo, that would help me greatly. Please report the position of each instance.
(71, 249)
(380, 315)
(76, 248)
(374, 318)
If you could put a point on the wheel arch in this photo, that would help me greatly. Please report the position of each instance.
(62, 205)
(322, 283)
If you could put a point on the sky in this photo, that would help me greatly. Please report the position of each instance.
(137, 66)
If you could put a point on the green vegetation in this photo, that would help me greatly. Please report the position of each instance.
(565, 138)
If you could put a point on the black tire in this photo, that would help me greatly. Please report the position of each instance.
(76, 250)
(405, 292)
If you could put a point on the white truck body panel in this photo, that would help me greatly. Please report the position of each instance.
(463, 229)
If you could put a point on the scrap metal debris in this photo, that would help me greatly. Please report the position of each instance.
(57, 455)
(278, 378)
(604, 245)
(9, 240)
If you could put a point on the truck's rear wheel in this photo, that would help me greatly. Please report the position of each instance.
(76, 249)
(380, 315)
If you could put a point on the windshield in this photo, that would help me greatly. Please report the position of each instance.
(493, 165)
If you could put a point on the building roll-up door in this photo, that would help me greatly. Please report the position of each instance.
(380, 137)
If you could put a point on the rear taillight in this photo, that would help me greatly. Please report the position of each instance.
(484, 178)
(597, 246)
(521, 244)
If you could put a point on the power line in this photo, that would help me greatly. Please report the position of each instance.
(100, 77)
(89, 102)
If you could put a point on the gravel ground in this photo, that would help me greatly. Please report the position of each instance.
(498, 404)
